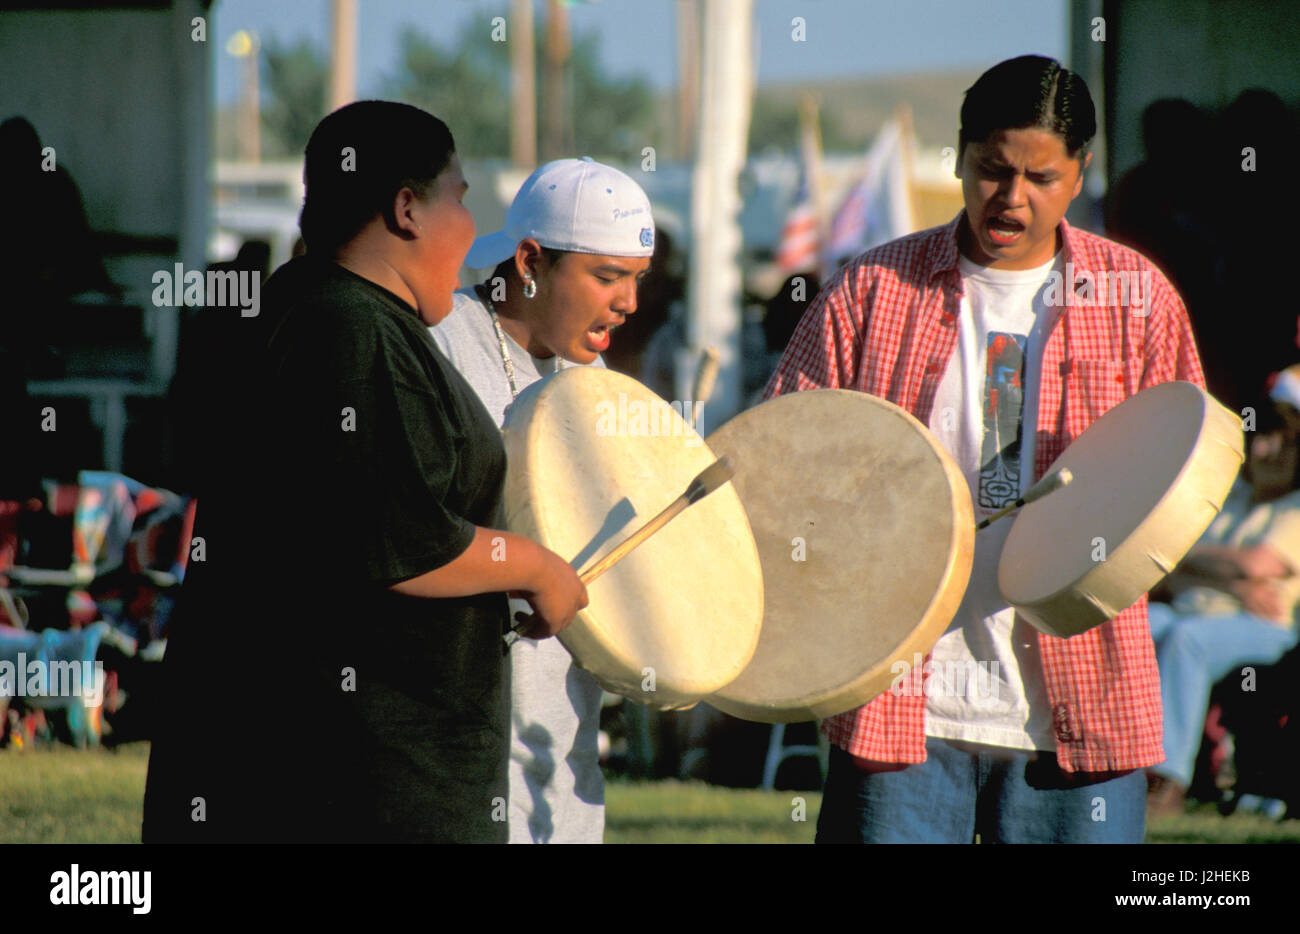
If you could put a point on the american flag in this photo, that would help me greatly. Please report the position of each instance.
(800, 239)
(877, 208)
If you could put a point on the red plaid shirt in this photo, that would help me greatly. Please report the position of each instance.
(886, 324)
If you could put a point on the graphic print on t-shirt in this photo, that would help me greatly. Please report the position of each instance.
(1004, 400)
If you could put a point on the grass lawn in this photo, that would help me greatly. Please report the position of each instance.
(64, 795)
(692, 812)
(677, 812)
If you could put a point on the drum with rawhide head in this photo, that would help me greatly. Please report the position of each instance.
(866, 533)
(593, 455)
(1149, 476)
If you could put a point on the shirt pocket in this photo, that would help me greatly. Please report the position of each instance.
(1092, 388)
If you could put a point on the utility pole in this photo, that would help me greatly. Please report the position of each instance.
(523, 87)
(688, 75)
(555, 112)
(244, 45)
(343, 65)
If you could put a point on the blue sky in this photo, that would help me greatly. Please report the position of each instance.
(845, 38)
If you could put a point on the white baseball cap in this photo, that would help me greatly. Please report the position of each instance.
(575, 205)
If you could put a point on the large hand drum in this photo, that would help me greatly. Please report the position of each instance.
(1149, 477)
(593, 455)
(865, 530)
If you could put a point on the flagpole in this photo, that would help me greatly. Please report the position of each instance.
(810, 137)
(903, 114)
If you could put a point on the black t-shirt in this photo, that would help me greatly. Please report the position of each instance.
(311, 702)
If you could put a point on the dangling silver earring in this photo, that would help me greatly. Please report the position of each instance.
(530, 287)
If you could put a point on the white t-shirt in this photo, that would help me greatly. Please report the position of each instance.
(985, 680)
(557, 791)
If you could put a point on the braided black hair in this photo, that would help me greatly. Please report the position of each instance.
(1031, 91)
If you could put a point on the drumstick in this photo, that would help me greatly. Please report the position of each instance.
(705, 377)
(1049, 484)
(708, 480)
(712, 477)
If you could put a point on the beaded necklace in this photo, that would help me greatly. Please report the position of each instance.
(505, 351)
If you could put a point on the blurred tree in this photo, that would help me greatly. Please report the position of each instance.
(467, 87)
(610, 118)
(775, 125)
(293, 102)
(467, 84)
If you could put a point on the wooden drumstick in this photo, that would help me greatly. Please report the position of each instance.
(1049, 484)
(705, 377)
(708, 480)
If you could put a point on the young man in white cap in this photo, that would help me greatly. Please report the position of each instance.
(577, 241)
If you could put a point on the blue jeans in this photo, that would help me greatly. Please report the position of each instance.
(1194, 652)
(964, 789)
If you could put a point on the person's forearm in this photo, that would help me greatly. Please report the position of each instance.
(1264, 561)
(1213, 565)
(495, 561)
(1169, 589)
(1221, 565)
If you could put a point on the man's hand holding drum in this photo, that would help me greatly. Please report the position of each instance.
(529, 571)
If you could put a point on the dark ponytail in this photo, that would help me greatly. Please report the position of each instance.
(358, 158)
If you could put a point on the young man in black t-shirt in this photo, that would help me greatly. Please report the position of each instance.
(341, 640)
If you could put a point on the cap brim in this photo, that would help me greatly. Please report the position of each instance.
(489, 250)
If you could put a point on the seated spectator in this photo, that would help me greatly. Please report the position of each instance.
(1233, 601)
(49, 253)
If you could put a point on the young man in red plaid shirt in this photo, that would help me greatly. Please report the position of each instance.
(1005, 319)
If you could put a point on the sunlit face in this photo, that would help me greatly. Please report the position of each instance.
(447, 230)
(581, 299)
(1017, 186)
